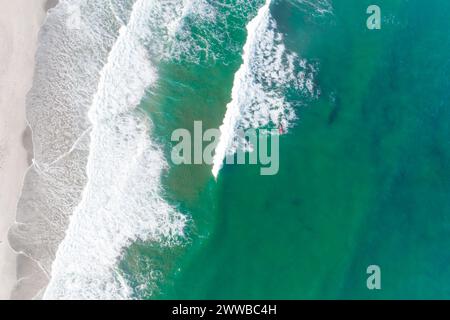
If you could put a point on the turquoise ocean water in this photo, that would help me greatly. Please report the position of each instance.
(364, 171)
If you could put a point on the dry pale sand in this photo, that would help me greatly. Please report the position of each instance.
(20, 21)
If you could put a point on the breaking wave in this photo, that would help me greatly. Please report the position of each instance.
(258, 98)
(94, 186)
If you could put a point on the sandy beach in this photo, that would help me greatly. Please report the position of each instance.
(20, 21)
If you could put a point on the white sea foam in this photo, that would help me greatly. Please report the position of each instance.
(260, 85)
(171, 37)
(122, 199)
(68, 62)
(103, 67)
(95, 182)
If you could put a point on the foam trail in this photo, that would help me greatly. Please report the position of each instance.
(260, 85)
(68, 62)
(232, 114)
(121, 201)
(72, 53)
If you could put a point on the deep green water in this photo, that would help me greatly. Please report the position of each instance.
(364, 175)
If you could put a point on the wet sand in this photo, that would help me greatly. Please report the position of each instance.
(20, 21)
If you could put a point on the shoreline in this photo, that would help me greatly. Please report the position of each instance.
(20, 22)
